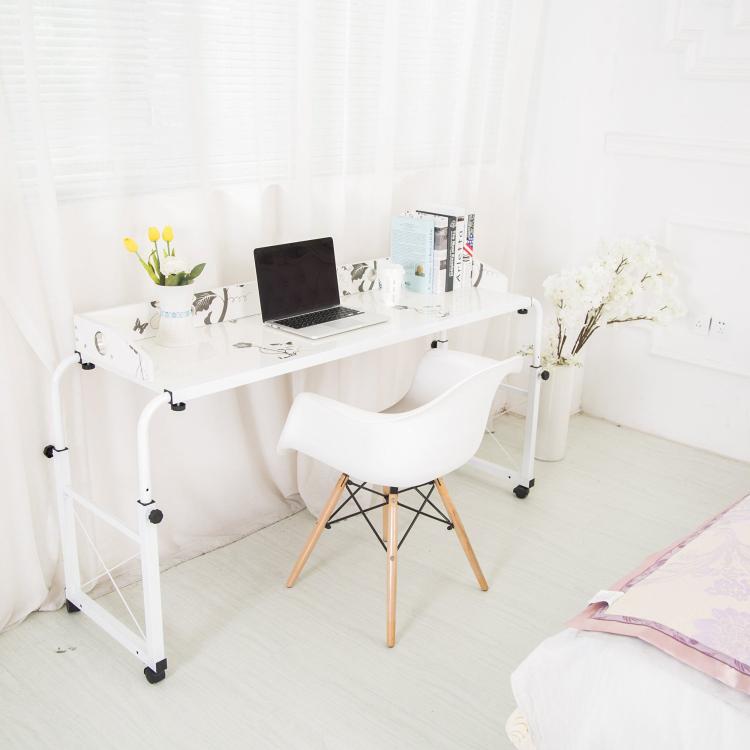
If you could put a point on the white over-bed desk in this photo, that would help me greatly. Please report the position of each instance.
(177, 376)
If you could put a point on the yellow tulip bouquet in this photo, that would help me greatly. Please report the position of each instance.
(167, 269)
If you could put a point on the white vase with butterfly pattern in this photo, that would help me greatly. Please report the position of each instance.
(176, 324)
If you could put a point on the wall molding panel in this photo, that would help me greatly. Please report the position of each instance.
(669, 147)
(690, 25)
(741, 15)
(707, 248)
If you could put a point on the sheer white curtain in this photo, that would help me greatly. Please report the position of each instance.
(241, 124)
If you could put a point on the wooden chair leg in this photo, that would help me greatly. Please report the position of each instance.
(318, 530)
(461, 533)
(391, 565)
(386, 492)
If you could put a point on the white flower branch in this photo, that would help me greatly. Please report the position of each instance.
(627, 282)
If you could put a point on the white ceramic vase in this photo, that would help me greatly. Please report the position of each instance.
(554, 412)
(175, 316)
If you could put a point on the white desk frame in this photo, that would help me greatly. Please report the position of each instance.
(224, 368)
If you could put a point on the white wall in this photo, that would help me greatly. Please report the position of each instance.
(642, 127)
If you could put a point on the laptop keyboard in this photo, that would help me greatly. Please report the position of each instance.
(320, 316)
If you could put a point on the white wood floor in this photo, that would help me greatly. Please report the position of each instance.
(254, 665)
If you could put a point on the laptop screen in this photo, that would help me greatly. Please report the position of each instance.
(296, 278)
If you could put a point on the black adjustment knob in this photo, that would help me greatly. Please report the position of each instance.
(155, 516)
(49, 450)
(88, 365)
(178, 407)
(545, 374)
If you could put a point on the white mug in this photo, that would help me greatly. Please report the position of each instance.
(391, 281)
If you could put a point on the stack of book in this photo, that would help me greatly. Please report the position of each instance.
(435, 247)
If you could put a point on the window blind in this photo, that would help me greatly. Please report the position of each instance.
(138, 95)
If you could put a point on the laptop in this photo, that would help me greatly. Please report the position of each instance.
(299, 290)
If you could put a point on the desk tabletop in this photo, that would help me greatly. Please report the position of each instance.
(245, 351)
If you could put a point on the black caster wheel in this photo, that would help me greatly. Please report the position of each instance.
(449, 527)
(154, 677)
(71, 607)
(520, 491)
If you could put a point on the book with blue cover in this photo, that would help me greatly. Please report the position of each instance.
(412, 243)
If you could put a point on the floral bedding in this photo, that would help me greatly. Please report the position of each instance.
(691, 600)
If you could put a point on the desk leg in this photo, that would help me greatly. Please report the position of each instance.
(148, 646)
(66, 518)
(526, 473)
(148, 517)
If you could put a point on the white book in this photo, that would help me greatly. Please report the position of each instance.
(468, 248)
(459, 269)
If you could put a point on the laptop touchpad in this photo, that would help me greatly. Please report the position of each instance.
(343, 322)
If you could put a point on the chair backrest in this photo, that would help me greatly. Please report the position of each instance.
(436, 428)
(441, 421)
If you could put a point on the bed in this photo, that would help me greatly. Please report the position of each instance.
(662, 660)
(597, 691)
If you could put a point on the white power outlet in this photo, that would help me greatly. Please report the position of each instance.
(719, 327)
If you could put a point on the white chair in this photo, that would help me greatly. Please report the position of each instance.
(436, 428)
